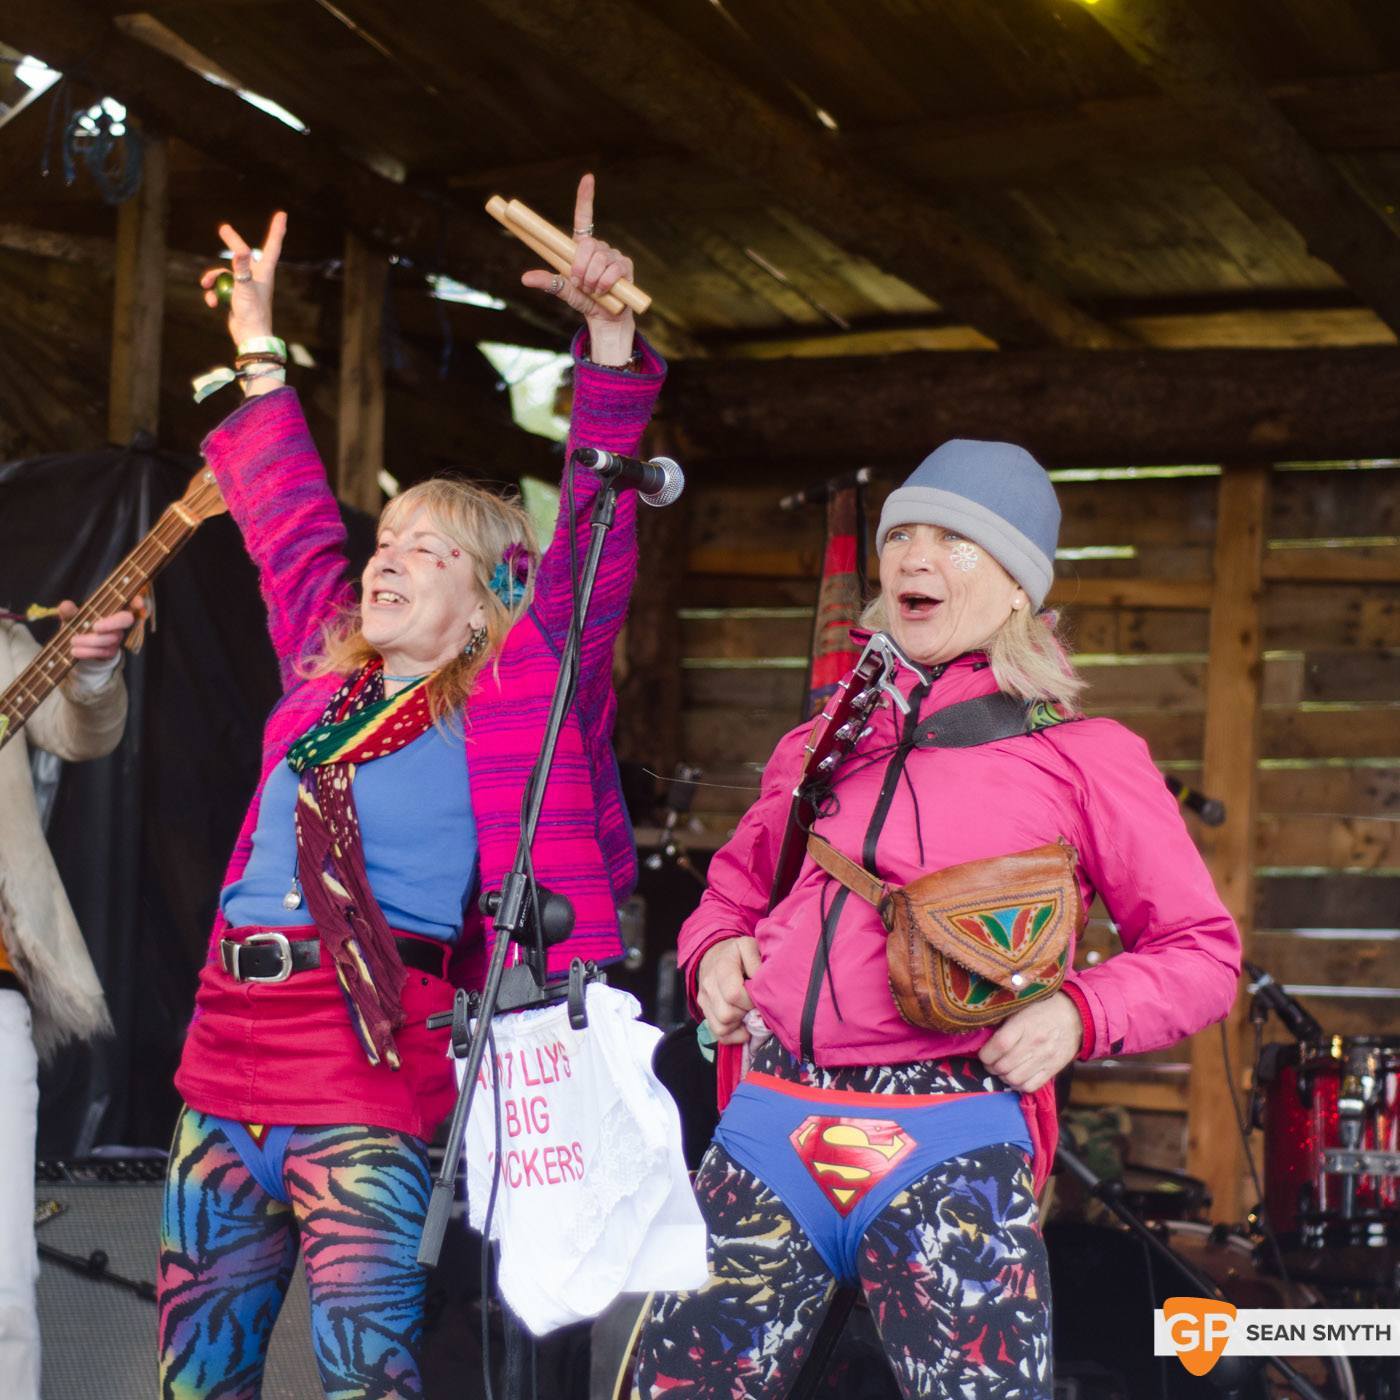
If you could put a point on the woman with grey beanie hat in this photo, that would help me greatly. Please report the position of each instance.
(906, 997)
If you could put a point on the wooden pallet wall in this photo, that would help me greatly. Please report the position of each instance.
(1137, 593)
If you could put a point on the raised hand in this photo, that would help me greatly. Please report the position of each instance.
(250, 305)
(596, 268)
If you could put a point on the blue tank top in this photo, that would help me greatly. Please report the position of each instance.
(419, 839)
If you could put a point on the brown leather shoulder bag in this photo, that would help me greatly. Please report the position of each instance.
(970, 944)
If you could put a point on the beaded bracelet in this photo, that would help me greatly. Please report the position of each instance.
(258, 357)
(631, 365)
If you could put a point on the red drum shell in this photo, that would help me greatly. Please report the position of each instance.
(1301, 1120)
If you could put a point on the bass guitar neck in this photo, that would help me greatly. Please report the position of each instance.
(54, 660)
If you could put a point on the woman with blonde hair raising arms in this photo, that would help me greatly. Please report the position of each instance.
(393, 769)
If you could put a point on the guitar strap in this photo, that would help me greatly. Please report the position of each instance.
(967, 724)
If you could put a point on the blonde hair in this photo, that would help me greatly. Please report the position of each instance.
(485, 525)
(1029, 656)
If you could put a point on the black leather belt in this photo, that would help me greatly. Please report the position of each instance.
(269, 956)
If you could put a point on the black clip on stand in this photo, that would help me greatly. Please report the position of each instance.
(512, 913)
(1111, 1194)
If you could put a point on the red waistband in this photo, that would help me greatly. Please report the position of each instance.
(853, 1098)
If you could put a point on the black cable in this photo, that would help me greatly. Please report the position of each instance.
(486, 1289)
(1243, 1128)
(573, 646)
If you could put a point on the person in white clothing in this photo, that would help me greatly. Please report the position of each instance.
(49, 990)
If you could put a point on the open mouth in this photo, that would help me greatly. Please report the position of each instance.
(915, 607)
(387, 598)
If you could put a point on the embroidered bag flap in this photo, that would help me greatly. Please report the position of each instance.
(1004, 921)
(1008, 918)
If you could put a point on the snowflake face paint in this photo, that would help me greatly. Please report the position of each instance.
(963, 556)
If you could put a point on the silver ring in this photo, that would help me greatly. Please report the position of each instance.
(242, 276)
(556, 285)
(585, 232)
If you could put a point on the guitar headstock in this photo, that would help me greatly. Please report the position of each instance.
(202, 498)
(842, 724)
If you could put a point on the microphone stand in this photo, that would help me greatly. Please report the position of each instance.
(1110, 1193)
(512, 908)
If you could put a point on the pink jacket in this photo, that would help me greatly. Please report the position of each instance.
(1090, 781)
(275, 486)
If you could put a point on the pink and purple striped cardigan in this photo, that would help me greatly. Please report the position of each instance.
(275, 486)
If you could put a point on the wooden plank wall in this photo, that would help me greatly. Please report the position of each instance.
(1136, 592)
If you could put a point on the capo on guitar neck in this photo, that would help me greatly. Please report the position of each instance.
(880, 652)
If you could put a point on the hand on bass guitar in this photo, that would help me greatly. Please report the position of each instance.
(96, 647)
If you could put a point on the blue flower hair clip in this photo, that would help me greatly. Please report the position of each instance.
(509, 579)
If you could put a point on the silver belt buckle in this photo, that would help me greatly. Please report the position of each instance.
(279, 941)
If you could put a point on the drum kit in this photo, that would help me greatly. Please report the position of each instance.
(1326, 1233)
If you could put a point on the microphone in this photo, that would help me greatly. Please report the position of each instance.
(658, 482)
(815, 495)
(1211, 810)
(1301, 1026)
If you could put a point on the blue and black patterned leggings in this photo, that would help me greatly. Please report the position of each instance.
(953, 1267)
(236, 1208)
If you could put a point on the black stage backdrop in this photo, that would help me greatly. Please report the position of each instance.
(141, 837)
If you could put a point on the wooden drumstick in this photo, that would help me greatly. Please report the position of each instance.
(524, 217)
(559, 250)
(499, 210)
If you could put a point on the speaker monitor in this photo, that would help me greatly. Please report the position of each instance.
(99, 1337)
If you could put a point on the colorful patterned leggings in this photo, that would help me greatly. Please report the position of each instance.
(954, 1270)
(353, 1198)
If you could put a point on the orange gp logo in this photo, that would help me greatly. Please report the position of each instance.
(846, 1157)
(1199, 1329)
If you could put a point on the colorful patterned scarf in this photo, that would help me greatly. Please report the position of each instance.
(358, 725)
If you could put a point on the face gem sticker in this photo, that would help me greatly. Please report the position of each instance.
(963, 556)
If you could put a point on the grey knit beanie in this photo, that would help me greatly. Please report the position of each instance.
(996, 494)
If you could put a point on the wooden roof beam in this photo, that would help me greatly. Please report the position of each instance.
(1359, 112)
(299, 292)
(1183, 56)
(308, 169)
(1071, 408)
(686, 98)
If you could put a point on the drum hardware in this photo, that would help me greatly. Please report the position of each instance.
(1356, 1161)
(1358, 1095)
(1330, 1113)
(632, 925)
(670, 881)
(1110, 1193)
(670, 848)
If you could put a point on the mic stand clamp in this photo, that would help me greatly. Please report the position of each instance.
(512, 913)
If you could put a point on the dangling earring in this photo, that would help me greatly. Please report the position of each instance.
(475, 643)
